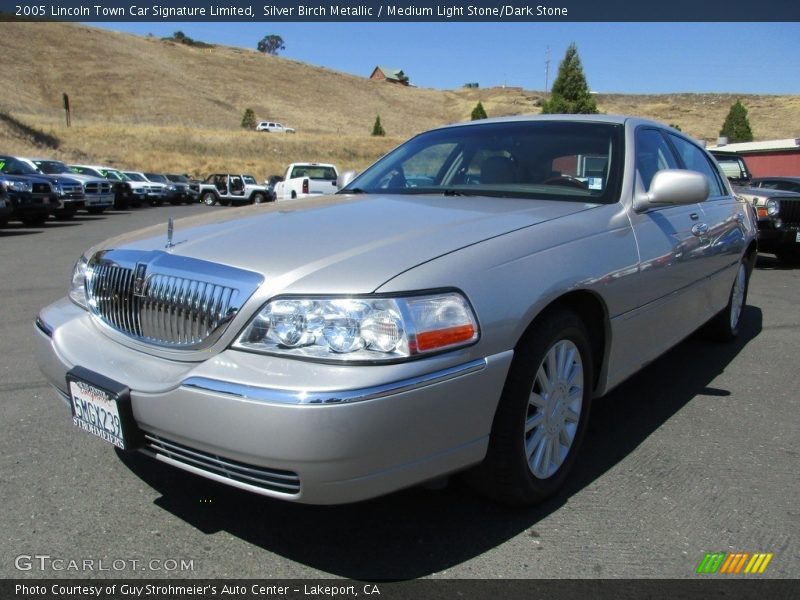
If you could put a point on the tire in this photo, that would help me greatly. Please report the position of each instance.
(208, 198)
(34, 220)
(259, 198)
(175, 202)
(726, 324)
(63, 215)
(120, 204)
(294, 195)
(531, 453)
(96, 210)
(789, 258)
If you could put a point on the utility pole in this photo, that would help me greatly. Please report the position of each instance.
(546, 68)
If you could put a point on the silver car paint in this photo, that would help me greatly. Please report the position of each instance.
(511, 258)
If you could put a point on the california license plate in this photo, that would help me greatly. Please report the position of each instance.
(102, 407)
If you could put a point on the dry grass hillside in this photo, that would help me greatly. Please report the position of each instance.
(150, 104)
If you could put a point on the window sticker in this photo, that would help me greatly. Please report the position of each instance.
(595, 183)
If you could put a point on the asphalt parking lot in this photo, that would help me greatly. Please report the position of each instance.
(696, 454)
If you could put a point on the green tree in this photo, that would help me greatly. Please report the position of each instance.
(377, 128)
(570, 93)
(271, 44)
(736, 126)
(478, 112)
(249, 119)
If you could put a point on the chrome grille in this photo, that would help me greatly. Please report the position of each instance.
(170, 307)
(98, 187)
(274, 480)
(789, 211)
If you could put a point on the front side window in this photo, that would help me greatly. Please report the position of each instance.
(695, 159)
(551, 160)
(653, 154)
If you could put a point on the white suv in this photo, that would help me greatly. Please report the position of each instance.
(273, 127)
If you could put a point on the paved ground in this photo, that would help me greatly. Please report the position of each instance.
(698, 453)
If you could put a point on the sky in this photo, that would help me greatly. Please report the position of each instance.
(630, 58)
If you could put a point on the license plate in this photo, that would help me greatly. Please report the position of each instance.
(102, 407)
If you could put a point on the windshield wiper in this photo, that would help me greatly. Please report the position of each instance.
(452, 192)
(352, 191)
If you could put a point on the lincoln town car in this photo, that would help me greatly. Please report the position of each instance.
(455, 308)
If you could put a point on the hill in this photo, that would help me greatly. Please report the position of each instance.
(146, 103)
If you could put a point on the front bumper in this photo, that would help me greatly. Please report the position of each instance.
(300, 431)
(99, 200)
(778, 239)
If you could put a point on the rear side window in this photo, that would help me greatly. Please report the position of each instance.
(695, 159)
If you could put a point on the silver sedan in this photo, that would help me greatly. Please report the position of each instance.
(455, 308)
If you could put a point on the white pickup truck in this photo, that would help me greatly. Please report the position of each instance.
(307, 179)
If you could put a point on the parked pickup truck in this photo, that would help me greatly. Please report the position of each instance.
(32, 198)
(307, 179)
(232, 188)
(68, 189)
(98, 194)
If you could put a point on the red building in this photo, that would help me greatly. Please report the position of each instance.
(390, 75)
(769, 158)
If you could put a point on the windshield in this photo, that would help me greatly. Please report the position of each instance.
(134, 176)
(12, 166)
(178, 178)
(249, 180)
(51, 167)
(113, 174)
(556, 160)
(156, 177)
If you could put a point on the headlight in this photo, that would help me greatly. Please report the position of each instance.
(773, 207)
(361, 328)
(19, 186)
(77, 290)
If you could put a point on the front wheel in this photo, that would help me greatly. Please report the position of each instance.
(789, 257)
(209, 198)
(34, 220)
(726, 324)
(541, 418)
(258, 198)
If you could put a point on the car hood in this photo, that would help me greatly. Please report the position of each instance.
(343, 244)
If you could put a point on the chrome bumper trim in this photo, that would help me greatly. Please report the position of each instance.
(43, 327)
(277, 396)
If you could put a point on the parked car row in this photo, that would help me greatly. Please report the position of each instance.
(34, 188)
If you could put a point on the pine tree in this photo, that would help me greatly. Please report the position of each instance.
(737, 127)
(478, 112)
(570, 93)
(377, 128)
(249, 119)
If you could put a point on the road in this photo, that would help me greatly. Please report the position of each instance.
(698, 453)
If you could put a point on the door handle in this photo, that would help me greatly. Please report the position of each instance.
(700, 229)
(694, 216)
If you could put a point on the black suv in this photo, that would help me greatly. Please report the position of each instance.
(778, 210)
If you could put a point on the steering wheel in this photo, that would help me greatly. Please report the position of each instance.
(565, 180)
(397, 179)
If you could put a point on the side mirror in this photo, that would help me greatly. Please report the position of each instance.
(345, 178)
(673, 187)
